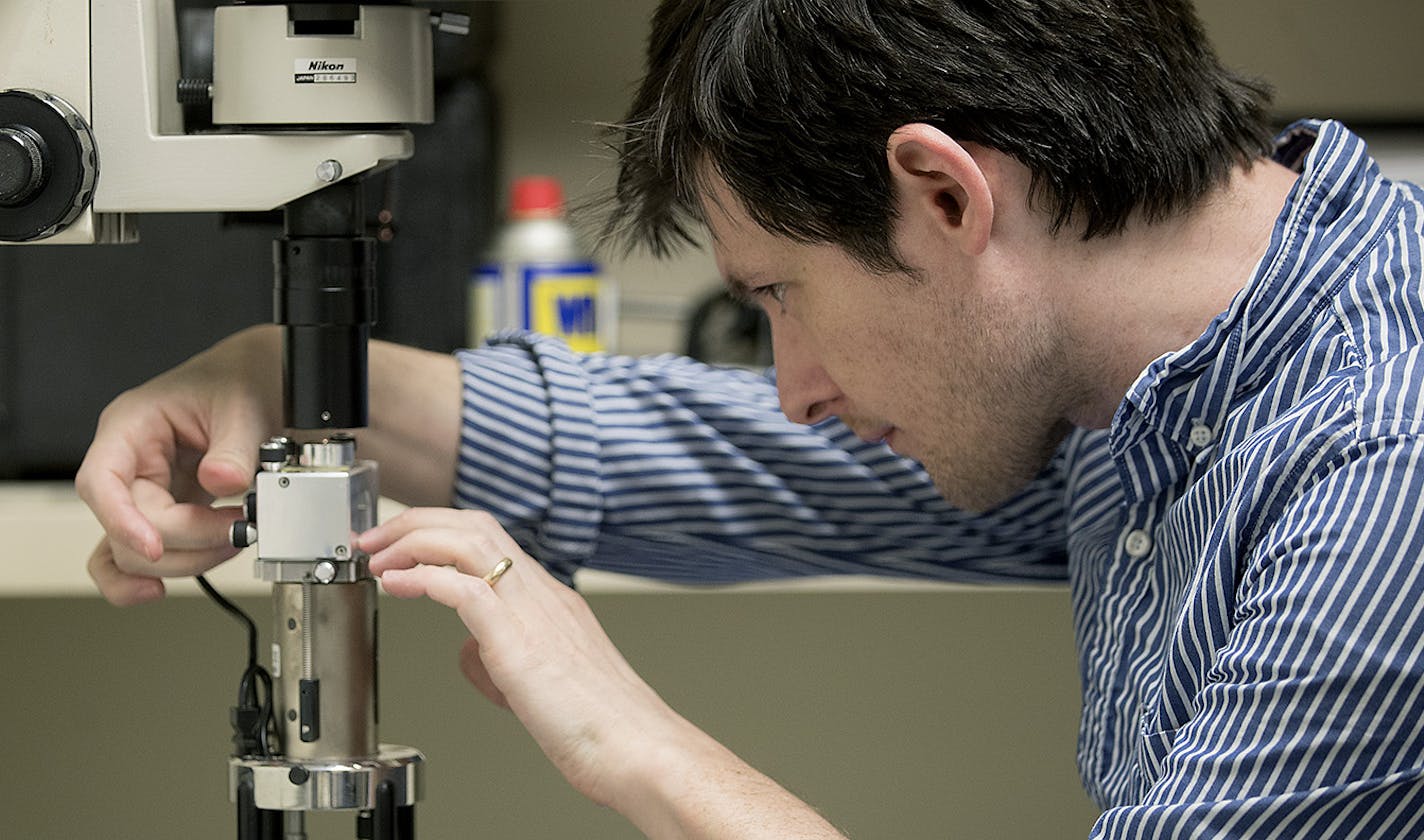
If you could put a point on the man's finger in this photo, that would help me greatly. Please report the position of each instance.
(488, 618)
(415, 519)
(118, 588)
(175, 563)
(473, 553)
(388, 532)
(231, 459)
(109, 495)
(188, 527)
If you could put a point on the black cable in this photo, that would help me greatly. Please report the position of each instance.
(251, 718)
(236, 612)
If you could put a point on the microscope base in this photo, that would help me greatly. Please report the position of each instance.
(327, 785)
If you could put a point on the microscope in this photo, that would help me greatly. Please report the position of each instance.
(306, 99)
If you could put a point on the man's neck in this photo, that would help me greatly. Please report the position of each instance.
(1154, 289)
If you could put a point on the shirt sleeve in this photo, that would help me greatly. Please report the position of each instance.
(668, 468)
(1308, 723)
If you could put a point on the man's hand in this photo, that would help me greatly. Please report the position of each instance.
(163, 451)
(537, 649)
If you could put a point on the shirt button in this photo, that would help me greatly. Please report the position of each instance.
(1137, 544)
(1201, 435)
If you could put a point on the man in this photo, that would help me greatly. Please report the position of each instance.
(981, 231)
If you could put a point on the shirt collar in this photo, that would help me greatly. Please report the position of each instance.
(1196, 385)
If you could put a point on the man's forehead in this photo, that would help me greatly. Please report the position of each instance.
(747, 254)
(732, 234)
(723, 212)
(737, 274)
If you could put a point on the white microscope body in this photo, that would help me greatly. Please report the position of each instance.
(114, 65)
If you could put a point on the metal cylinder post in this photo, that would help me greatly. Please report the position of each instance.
(326, 693)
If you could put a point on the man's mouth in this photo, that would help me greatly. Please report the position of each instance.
(889, 440)
(879, 434)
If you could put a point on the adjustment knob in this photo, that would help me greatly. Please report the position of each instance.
(22, 164)
(243, 534)
(48, 165)
(273, 454)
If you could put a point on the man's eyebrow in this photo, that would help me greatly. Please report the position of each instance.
(738, 287)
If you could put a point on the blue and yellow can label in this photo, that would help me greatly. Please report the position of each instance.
(563, 300)
(558, 299)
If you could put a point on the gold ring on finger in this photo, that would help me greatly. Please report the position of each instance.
(498, 571)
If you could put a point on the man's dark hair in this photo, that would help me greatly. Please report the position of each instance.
(1114, 106)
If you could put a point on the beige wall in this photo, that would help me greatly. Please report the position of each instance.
(1326, 58)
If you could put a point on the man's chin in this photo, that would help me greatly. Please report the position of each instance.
(980, 479)
(987, 490)
(980, 497)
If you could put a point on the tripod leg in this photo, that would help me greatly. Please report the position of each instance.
(253, 823)
(405, 822)
(391, 821)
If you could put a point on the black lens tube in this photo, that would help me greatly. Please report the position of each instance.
(325, 299)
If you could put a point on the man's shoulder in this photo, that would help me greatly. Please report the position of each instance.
(1378, 314)
(1388, 395)
(1325, 411)
(1351, 417)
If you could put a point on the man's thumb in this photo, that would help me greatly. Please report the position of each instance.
(227, 468)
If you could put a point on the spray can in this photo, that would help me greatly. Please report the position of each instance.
(537, 277)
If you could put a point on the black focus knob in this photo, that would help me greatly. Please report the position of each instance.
(22, 164)
(243, 534)
(48, 165)
(273, 453)
(193, 91)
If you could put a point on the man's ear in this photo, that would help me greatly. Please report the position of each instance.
(934, 175)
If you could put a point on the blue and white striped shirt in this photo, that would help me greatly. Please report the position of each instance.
(1245, 545)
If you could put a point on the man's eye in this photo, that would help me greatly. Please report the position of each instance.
(775, 291)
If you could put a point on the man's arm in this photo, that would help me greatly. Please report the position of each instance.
(1308, 721)
(670, 468)
(415, 423)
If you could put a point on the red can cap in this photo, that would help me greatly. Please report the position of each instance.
(536, 196)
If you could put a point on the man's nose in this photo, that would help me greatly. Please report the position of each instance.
(808, 394)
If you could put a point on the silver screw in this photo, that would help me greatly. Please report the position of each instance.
(325, 572)
(328, 171)
(284, 482)
(326, 417)
(341, 551)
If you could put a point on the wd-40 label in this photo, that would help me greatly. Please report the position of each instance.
(558, 299)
